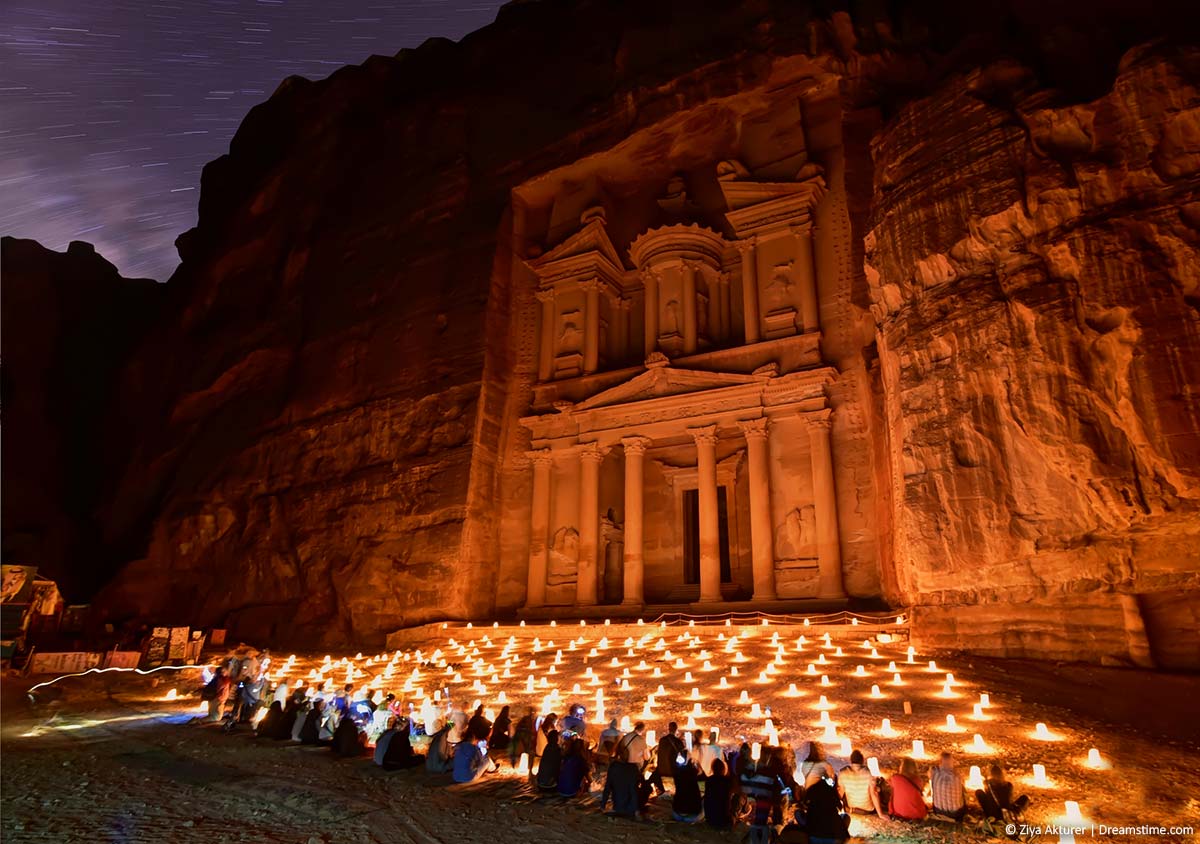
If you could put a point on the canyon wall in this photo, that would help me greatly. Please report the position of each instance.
(322, 419)
(1034, 272)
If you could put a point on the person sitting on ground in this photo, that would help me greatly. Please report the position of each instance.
(440, 755)
(341, 702)
(709, 752)
(575, 774)
(549, 725)
(824, 819)
(858, 787)
(718, 795)
(272, 723)
(458, 726)
(575, 723)
(291, 711)
(550, 763)
(763, 789)
(498, 739)
(686, 804)
(470, 762)
(310, 733)
(348, 742)
(303, 707)
(393, 750)
(623, 778)
(814, 766)
(609, 737)
(524, 738)
(946, 786)
(997, 795)
(906, 802)
(479, 726)
(669, 746)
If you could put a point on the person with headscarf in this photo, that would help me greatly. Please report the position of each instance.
(524, 740)
(479, 726)
(550, 761)
(348, 742)
(498, 739)
(393, 750)
(575, 773)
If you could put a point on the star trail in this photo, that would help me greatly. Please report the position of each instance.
(109, 111)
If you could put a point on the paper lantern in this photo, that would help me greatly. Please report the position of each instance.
(918, 749)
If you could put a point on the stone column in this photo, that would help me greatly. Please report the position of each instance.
(586, 578)
(539, 521)
(635, 450)
(689, 307)
(750, 289)
(621, 314)
(650, 291)
(762, 548)
(806, 269)
(591, 332)
(710, 529)
(829, 552)
(722, 287)
(546, 356)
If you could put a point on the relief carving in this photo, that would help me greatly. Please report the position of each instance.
(796, 538)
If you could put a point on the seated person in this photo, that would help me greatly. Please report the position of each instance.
(393, 750)
(609, 737)
(997, 794)
(946, 786)
(859, 790)
(470, 763)
(550, 763)
(499, 736)
(311, 732)
(575, 722)
(906, 802)
(707, 751)
(575, 773)
(271, 723)
(814, 766)
(440, 756)
(824, 820)
(348, 742)
(623, 781)
(686, 804)
(718, 797)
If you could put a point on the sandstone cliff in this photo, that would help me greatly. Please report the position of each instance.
(325, 415)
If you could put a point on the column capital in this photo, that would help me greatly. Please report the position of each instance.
(636, 445)
(818, 420)
(540, 456)
(591, 285)
(754, 429)
(544, 295)
(704, 434)
(592, 452)
(746, 244)
(802, 229)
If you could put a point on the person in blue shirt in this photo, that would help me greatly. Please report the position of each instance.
(470, 762)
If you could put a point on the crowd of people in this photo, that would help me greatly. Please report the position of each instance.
(779, 794)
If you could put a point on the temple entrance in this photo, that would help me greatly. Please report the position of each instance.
(691, 535)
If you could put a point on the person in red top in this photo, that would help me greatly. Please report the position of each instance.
(907, 802)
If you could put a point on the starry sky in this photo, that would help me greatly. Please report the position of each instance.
(110, 108)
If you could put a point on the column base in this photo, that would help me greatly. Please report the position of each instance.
(716, 600)
(629, 602)
(770, 597)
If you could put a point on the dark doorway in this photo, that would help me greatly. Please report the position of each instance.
(691, 535)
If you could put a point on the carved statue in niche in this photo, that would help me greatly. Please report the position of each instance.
(797, 536)
(564, 557)
(671, 318)
(570, 336)
(778, 287)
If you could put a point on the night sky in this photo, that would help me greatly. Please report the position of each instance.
(109, 109)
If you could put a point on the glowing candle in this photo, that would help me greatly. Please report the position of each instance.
(952, 725)
(978, 745)
(824, 703)
(724, 684)
(918, 749)
(171, 695)
(687, 741)
(912, 653)
(651, 737)
(825, 680)
(824, 720)
(696, 710)
(1074, 816)
(932, 666)
(875, 692)
(1094, 760)
(975, 778)
(1039, 776)
(755, 751)
(860, 671)
(1041, 731)
(755, 711)
(503, 698)
(985, 700)
(873, 766)
(691, 722)
(977, 712)
(896, 681)
(626, 724)
(830, 736)
(845, 748)
(745, 697)
(695, 694)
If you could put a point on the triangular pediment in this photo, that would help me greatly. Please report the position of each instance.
(590, 241)
(664, 381)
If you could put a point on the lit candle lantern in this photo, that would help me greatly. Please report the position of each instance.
(977, 712)
(744, 697)
(695, 694)
(838, 652)
(985, 700)
(845, 748)
(875, 692)
(830, 735)
(626, 724)
(859, 671)
(896, 681)
(773, 738)
(932, 666)
(975, 778)
(812, 669)
(724, 684)
(696, 710)
(874, 653)
(1042, 732)
(651, 737)
(755, 751)
(824, 703)
(912, 653)
(503, 698)
(978, 745)
(825, 680)
(1094, 760)
(918, 749)
(1039, 776)
(755, 711)
(824, 720)
(691, 722)
(792, 691)
(1074, 815)
(873, 766)
(171, 695)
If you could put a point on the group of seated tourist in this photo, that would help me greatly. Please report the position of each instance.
(780, 794)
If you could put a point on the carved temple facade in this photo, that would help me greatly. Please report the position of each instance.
(678, 415)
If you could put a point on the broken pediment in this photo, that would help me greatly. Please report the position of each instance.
(663, 381)
(587, 250)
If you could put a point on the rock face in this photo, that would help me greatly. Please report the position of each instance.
(326, 413)
(70, 322)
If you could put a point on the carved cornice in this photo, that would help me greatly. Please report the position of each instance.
(540, 457)
(754, 429)
(544, 295)
(674, 243)
(746, 244)
(704, 434)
